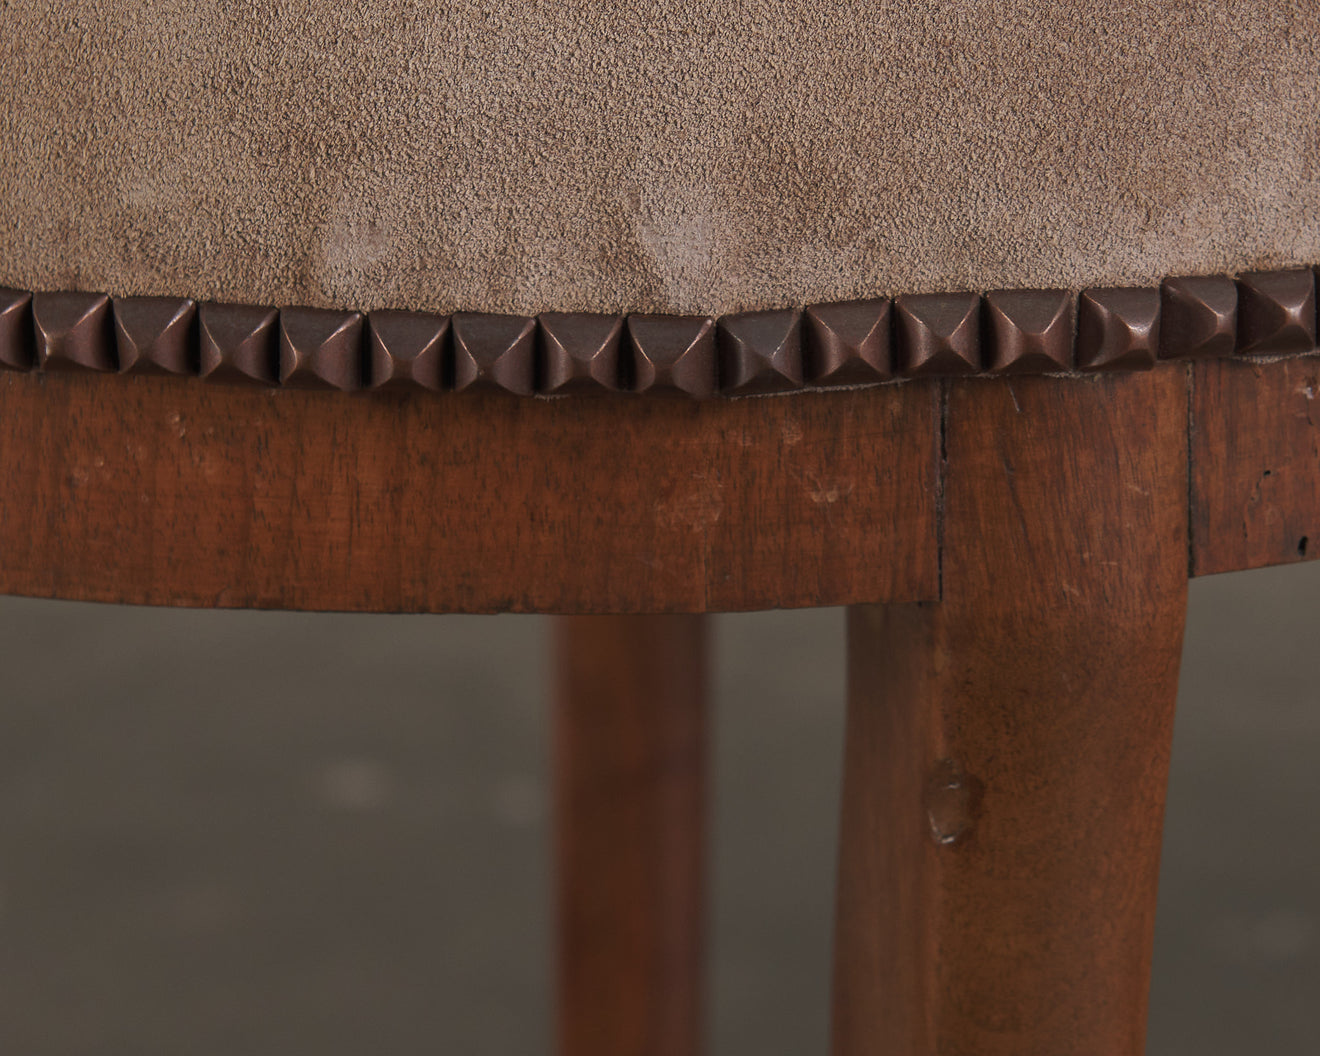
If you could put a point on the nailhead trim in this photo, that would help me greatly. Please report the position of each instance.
(879, 341)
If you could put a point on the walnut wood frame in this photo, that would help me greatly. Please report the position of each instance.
(1018, 548)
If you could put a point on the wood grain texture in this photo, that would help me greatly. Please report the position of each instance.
(630, 826)
(1255, 456)
(1007, 747)
(185, 493)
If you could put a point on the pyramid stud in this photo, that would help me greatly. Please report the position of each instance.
(938, 333)
(760, 352)
(16, 337)
(239, 343)
(494, 352)
(1029, 331)
(154, 335)
(673, 352)
(1276, 312)
(1118, 329)
(580, 352)
(73, 331)
(848, 343)
(320, 349)
(406, 350)
(1198, 317)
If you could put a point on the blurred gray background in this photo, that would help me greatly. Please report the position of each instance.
(268, 833)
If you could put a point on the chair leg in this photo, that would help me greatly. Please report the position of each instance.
(630, 759)
(1007, 746)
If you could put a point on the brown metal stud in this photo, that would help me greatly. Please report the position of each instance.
(580, 352)
(673, 352)
(239, 343)
(494, 351)
(760, 352)
(154, 335)
(1276, 312)
(1198, 316)
(406, 350)
(16, 336)
(1029, 331)
(73, 331)
(938, 333)
(320, 349)
(848, 343)
(1118, 328)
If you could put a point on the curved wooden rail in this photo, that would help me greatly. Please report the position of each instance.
(166, 491)
(160, 491)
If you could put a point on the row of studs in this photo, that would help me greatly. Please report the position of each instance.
(854, 343)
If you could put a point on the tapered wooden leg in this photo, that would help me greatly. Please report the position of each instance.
(630, 739)
(1007, 747)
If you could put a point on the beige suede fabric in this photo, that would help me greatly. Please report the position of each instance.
(681, 155)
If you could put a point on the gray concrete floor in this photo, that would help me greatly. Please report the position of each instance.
(268, 834)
